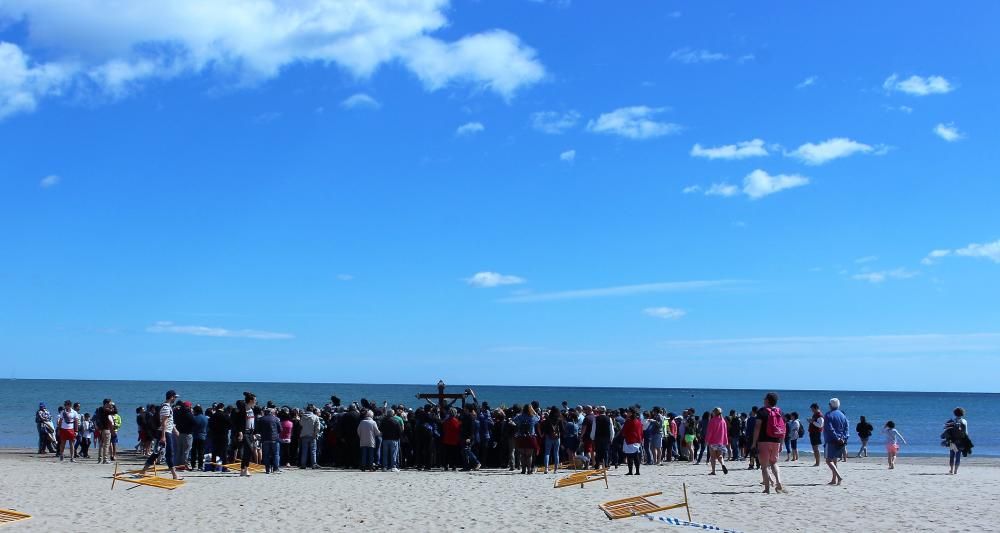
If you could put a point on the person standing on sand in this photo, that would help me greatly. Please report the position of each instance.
(816, 430)
(956, 435)
(892, 439)
(864, 430)
(525, 437)
(552, 431)
(632, 441)
(794, 429)
(246, 435)
(167, 437)
(69, 424)
(717, 438)
(769, 431)
(269, 429)
(367, 433)
(310, 427)
(43, 419)
(835, 435)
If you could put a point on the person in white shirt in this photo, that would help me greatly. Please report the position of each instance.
(892, 439)
(69, 424)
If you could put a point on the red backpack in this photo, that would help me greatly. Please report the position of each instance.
(775, 423)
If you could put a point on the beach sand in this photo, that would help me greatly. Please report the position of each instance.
(918, 495)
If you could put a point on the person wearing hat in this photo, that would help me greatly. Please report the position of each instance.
(167, 437)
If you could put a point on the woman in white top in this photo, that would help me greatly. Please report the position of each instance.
(892, 439)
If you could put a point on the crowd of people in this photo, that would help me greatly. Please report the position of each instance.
(526, 438)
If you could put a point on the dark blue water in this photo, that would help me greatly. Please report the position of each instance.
(918, 415)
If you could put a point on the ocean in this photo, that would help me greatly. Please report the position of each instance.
(919, 416)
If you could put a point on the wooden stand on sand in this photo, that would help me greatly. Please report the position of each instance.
(140, 478)
(639, 505)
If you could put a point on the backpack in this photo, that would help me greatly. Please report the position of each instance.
(100, 419)
(802, 430)
(775, 423)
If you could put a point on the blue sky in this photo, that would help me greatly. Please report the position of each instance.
(569, 193)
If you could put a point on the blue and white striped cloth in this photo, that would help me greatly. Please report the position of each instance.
(669, 520)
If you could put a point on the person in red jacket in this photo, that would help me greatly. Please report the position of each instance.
(632, 443)
(451, 434)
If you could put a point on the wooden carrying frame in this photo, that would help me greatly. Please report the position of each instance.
(581, 477)
(252, 467)
(639, 505)
(149, 480)
(7, 516)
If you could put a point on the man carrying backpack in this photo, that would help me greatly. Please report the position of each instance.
(769, 433)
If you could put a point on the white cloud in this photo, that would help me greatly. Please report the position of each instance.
(934, 256)
(666, 313)
(759, 183)
(830, 149)
(881, 276)
(493, 279)
(901, 108)
(689, 56)
(554, 122)
(624, 290)
(865, 259)
(568, 155)
(24, 82)
(344, 277)
(634, 122)
(360, 100)
(691, 189)
(115, 46)
(740, 150)
(988, 250)
(917, 85)
(469, 128)
(948, 132)
(204, 331)
(722, 189)
(811, 346)
(811, 80)
(49, 181)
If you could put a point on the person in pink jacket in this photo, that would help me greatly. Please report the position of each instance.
(716, 436)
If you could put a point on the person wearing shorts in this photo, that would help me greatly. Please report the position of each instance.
(835, 433)
(717, 439)
(892, 439)
(816, 431)
(768, 447)
(69, 424)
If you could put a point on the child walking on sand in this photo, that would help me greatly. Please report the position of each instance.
(892, 440)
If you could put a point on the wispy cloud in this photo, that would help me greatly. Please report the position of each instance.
(740, 150)
(493, 279)
(554, 122)
(866, 259)
(360, 100)
(622, 290)
(759, 183)
(568, 156)
(205, 331)
(986, 250)
(948, 132)
(808, 82)
(690, 189)
(469, 128)
(49, 181)
(830, 149)
(918, 85)
(634, 122)
(883, 275)
(689, 56)
(666, 313)
(806, 346)
(344, 277)
(722, 189)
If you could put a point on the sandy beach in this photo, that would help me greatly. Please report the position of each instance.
(918, 495)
